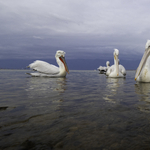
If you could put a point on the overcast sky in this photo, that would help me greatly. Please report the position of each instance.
(82, 28)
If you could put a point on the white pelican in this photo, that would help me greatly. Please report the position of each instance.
(104, 69)
(107, 65)
(47, 70)
(116, 70)
(100, 68)
(143, 71)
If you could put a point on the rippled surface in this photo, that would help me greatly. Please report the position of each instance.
(85, 110)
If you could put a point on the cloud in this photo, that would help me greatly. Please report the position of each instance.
(38, 37)
(82, 28)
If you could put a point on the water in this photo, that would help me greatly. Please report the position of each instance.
(85, 110)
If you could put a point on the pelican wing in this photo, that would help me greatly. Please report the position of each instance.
(110, 70)
(122, 70)
(44, 67)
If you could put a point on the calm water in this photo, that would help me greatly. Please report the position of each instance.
(85, 110)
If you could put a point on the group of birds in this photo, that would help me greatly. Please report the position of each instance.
(45, 69)
(104, 69)
(116, 70)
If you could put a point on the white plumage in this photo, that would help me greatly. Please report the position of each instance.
(122, 70)
(44, 67)
(107, 65)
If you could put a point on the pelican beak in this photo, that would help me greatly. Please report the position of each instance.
(142, 63)
(65, 64)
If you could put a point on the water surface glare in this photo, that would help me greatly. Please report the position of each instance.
(85, 110)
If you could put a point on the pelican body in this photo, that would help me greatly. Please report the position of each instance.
(122, 70)
(45, 69)
(116, 70)
(143, 71)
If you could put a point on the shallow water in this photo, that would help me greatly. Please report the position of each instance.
(85, 110)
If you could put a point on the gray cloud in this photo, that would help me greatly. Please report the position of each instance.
(82, 28)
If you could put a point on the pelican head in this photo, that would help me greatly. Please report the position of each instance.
(60, 55)
(143, 60)
(116, 52)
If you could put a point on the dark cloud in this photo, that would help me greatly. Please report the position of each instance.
(84, 29)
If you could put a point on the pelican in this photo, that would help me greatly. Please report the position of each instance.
(104, 69)
(116, 70)
(100, 68)
(143, 71)
(48, 70)
(107, 64)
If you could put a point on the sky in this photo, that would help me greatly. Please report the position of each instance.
(85, 29)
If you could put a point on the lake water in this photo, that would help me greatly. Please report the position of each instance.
(84, 111)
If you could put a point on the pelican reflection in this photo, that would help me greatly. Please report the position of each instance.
(113, 84)
(142, 89)
(45, 87)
